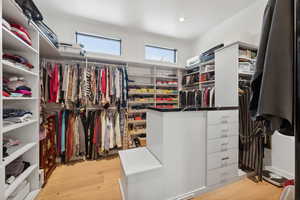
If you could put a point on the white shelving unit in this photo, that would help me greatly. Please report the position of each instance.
(227, 91)
(145, 91)
(27, 133)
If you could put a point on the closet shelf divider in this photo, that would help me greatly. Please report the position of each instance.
(17, 126)
(10, 67)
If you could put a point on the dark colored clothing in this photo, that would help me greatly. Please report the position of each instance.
(272, 84)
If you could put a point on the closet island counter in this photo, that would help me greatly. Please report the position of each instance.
(197, 149)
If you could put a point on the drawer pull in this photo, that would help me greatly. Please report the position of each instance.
(224, 122)
(225, 117)
(225, 158)
(224, 135)
(224, 144)
(225, 130)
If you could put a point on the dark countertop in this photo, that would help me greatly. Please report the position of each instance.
(191, 109)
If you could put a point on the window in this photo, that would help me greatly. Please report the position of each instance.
(98, 44)
(160, 54)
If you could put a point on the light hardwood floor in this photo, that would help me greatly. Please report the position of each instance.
(98, 180)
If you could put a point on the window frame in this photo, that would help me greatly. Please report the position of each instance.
(164, 48)
(100, 37)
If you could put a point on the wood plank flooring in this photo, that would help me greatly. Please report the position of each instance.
(98, 180)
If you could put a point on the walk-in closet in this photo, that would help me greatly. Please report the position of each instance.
(149, 100)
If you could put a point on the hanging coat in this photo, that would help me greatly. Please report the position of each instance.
(272, 84)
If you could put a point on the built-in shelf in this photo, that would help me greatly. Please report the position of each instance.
(19, 180)
(13, 13)
(167, 77)
(140, 84)
(141, 75)
(139, 132)
(192, 85)
(9, 67)
(19, 98)
(136, 121)
(13, 42)
(137, 93)
(210, 71)
(189, 74)
(137, 102)
(167, 102)
(209, 62)
(167, 86)
(17, 126)
(167, 94)
(137, 111)
(246, 59)
(17, 151)
(246, 74)
(207, 82)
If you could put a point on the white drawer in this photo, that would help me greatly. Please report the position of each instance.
(222, 144)
(222, 175)
(222, 130)
(222, 117)
(222, 159)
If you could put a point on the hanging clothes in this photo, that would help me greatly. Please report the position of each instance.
(272, 83)
(84, 85)
(74, 88)
(251, 137)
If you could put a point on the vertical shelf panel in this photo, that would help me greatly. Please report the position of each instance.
(27, 134)
(226, 76)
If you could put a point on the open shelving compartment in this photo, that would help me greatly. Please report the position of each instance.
(28, 132)
(149, 86)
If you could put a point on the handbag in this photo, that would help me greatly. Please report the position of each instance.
(30, 10)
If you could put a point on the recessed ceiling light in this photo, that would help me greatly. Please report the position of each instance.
(181, 19)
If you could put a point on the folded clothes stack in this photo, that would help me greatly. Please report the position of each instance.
(12, 116)
(18, 60)
(166, 83)
(9, 143)
(171, 100)
(14, 169)
(18, 30)
(15, 87)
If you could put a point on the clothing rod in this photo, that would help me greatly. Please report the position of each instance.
(85, 62)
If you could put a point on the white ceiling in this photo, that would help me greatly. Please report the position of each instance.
(155, 16)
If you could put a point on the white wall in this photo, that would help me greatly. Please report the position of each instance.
(283, 154)
(245, 26)
(132, 41)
